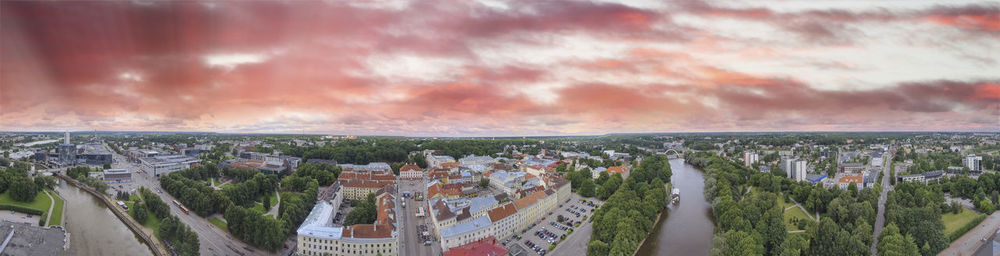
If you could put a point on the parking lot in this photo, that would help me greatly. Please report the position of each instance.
(555, 227)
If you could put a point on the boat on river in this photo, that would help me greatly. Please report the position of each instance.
(675, 195)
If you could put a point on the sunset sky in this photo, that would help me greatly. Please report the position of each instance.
(500, 68)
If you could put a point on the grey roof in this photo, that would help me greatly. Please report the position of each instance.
(467, 227)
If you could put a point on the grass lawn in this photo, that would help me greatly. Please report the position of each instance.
(133, 197)
(784, 204)
(218, 223)
(224, 186)
(795, 213)
(953, 222)
(55, 217)
(151, 222)
(41, 201)
(259, 208)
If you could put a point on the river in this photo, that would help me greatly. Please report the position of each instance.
(686, 229)
(94, 229)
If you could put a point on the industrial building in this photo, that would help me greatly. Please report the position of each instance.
(162, 165)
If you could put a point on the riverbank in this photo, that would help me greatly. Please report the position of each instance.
(686, 229)
(659, 217)
(154, 246)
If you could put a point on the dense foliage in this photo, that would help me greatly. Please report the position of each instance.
(364, 212)
(181, 237)
(628, 215)
(751, 220)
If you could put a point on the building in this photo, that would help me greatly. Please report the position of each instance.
(508, 182)
(973, 162)
(488, 246)
(67, 153)
(815, 178)
(845, 181)
(93, 153)
(411, 172)
(318, 235)
(163, 165)
(135, 154)
(786, 165)
(851, 167)
(922, 177)
(117, 176)
(750, 158)
(798, 170)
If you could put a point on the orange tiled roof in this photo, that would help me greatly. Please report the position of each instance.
(410, 167)
(528, 200)
(855, 179)
(499, 213)
(450, 165)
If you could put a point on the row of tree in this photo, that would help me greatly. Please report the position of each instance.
(628, 215)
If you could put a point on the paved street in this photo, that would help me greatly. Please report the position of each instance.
(214, 241)
(880, 218)
(410, 243)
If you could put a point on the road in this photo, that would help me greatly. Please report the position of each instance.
(213, 240)
(410, 243)
(880, 218)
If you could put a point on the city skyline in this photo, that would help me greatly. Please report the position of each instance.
(497, 68)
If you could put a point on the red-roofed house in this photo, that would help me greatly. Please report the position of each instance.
(488, 246)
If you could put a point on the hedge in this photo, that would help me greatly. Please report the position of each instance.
(21, 209)
(968, 226)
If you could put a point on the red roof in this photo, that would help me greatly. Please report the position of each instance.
(488, 246)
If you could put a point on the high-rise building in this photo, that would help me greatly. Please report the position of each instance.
(973, 162)
(786, 165)
(800, 170)
(67, 152)
(750, 157)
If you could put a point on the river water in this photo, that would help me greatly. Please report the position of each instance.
(94, 229)
(686, 229)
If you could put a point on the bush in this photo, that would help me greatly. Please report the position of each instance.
(21, 209)
(552, 247)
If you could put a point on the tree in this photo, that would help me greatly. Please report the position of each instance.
(107, 166)
(139, 213)
(42, 182)
(484, 182)
(22, 189)
(794, 246)
(986, 206)
(587, 188)
(736, 243)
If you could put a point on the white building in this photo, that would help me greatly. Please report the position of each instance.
(973, 162)
(750, 157)
(799, 170)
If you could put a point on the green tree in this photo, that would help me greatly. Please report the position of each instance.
(794, 246)
(736, 243)
(139, 213)
(484, 182)
(22, 189)
(587, 188)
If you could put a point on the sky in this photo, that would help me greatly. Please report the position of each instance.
(500, 68)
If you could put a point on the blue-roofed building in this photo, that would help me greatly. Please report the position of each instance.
(815, 178)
